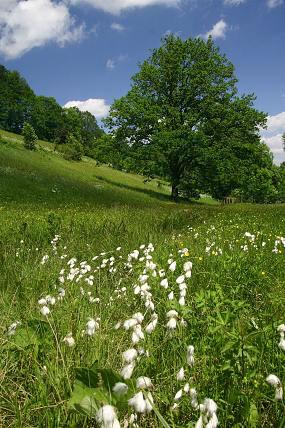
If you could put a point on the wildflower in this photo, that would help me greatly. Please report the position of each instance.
(107, 418)
(120, 388)
(69, 340)
(164, 283)
(45, 310)
(180, 279)
(130, 355)
(91, 327)
(178, 395)
(12, 328)
(190, 355)
(276, 383)
(151, 326)
(171, 296)
(127, 370)
(137, 334)
(187, 266)
(138, 403)
(186, 388)
(194, 401)
(144, 382)
(180, 375)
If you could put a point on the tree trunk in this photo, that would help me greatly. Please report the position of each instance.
(174, 191)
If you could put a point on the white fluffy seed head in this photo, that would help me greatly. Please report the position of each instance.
(69, 340)
(273, 380)
(172, 323)
(106, 416)
(130, 355)
(172, 314)
(127, 370)
(180, 375)
(44, 311)
(120, 388)
(144, 382)
(138, 403)
(178, 395)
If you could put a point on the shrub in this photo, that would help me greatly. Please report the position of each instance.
(30, 136)
(72, 149)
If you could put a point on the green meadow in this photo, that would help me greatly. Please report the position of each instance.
(85, 248)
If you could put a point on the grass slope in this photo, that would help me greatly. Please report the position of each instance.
(234, 299)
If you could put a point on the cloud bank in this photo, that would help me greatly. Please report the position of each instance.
(27, 24)
(96, 106)
(273, 135)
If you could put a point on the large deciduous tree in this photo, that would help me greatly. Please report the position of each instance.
(183, 106)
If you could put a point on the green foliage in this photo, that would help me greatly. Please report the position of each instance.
(72, 149)
(30, 136)
(235, 297)
(19, 104)
(183, 117)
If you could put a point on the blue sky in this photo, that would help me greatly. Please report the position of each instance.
(79, 50)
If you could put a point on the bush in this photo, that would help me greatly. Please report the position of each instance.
(72, 149)
(30, 136)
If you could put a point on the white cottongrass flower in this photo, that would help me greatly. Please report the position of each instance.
(144, 382)
(137, 334)
(180, 375)
(281, 344)
(45, 311)
(107, 418)
(127, 370)
(172, 266)
(180, 279)
(182, 301)
(138, 316)
(151, 326)
(274, 381)
(130, 323)
(11, 330)
(130, 355)
(171, 296)
(138, 403)
(172, 324)
(186, 388)
(91, 327)
(193, 396)
(208, 417)
(164, 283)
(69, 340)
(120, 388)
(281, 328)
(178, 395)
(42, 301)
(190, 355)
(187, 266)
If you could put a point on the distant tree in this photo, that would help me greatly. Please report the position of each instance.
(46, 117)
(30, 136)
(16, 100)
(283, 139)
(72, 149)
(183, 106)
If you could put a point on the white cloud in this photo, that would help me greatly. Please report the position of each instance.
(26, 24)
(117, 27)
(274, 3)
(96, 106)
(234, 2)
(110, 64)
(116, 6)
(218, 31)
(273, 135)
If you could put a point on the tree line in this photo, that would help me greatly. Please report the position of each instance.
(74, 131)
(182, 120)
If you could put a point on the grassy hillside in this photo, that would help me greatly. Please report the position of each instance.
(84, 248)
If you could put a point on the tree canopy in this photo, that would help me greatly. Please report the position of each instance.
(183, 108)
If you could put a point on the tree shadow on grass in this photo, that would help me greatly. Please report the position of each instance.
(153, 193)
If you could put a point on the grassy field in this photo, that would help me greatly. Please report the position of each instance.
(93, 262)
